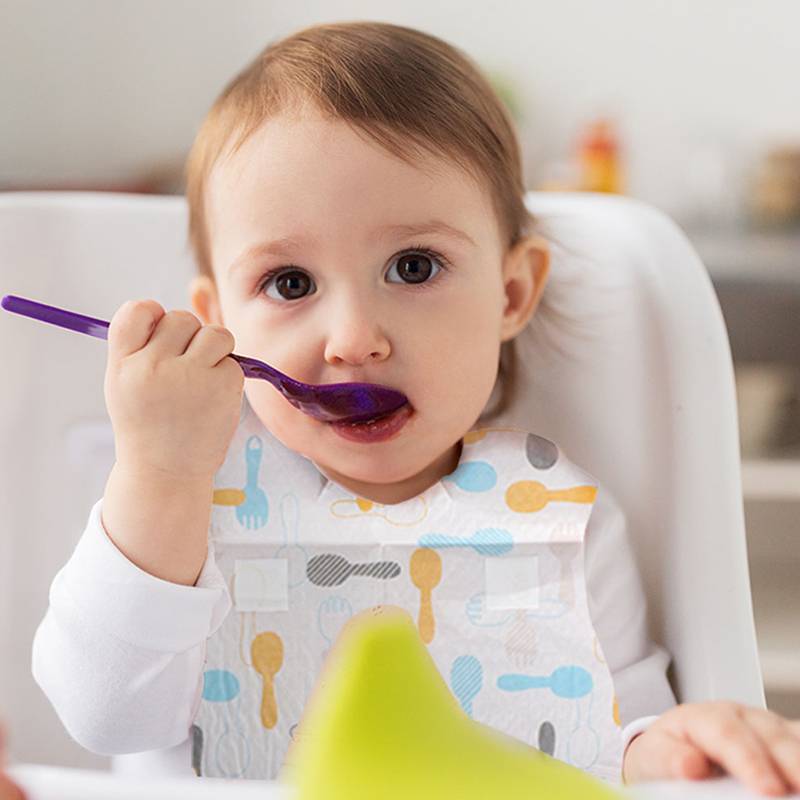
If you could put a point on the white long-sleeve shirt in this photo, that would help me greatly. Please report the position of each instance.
(120, 653)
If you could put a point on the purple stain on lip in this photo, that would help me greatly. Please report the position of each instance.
(333, 402)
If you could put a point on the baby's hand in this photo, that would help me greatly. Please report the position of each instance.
(8, 789)
(701, 740)
(173, 397)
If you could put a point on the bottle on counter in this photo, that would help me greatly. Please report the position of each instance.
(598, 155)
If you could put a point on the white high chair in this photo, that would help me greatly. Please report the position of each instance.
(631, 374)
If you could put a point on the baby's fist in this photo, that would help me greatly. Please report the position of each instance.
(173, 394)
(700, 740)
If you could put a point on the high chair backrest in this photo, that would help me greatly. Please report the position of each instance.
(626, 365)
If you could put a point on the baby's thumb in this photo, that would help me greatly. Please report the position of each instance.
(659, 757)
(131, 327)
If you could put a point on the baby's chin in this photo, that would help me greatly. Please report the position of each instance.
(375, 475)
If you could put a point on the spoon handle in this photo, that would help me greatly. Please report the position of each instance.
(56, 316)
(98, 328)
(253, 368)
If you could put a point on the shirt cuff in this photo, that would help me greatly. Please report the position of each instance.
(632, 729)
(110, 591)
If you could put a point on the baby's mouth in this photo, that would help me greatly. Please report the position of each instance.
(406, 407)
(379, 429)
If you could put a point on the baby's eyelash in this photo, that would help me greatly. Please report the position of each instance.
(271, 273)
(426, 251)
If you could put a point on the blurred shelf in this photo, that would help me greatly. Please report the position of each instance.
(780, 668)
(776, 611)
(771, 479)
(749, 253)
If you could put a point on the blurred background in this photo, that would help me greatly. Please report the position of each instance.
(689, 106)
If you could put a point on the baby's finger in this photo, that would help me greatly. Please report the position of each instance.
(661, 755)
(687, 762)
(782, 739)
(131, 326)
(173, 334)
(210, 345)
(730, 741)
(794, 725)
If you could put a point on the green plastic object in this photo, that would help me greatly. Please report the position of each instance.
(383, 725)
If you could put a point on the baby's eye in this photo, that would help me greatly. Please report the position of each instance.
(289, 283)
(414, 267)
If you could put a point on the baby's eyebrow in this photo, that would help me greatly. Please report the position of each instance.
(289, 245)
(419, 229)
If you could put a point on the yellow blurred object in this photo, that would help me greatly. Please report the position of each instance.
(383, 725)
(776, 187)
(599, 158)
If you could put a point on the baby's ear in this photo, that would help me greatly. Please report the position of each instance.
(205, 300)
(526, 268)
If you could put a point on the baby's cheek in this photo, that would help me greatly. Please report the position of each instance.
(289, 425)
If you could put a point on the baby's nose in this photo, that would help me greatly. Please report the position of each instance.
(355, 352)
(357, 339)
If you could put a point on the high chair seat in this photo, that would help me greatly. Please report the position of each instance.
(626, 365)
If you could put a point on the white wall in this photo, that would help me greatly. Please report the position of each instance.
(96, 90)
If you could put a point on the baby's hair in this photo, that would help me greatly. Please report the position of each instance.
(409, 91)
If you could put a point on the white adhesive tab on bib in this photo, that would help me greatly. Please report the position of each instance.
(261, 584)
(512, 582)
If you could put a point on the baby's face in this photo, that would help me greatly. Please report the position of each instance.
(368, 291)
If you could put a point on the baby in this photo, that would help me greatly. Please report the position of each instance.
(356, 214)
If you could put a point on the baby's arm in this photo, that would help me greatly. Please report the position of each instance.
(120, 651)
(174, 398)
(618, 608)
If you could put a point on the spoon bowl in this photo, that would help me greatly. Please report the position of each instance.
(328, 402)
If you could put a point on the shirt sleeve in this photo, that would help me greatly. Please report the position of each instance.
(618, 608)
(120, 653)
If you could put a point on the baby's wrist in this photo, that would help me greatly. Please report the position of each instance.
(629, 759)
(177, 478)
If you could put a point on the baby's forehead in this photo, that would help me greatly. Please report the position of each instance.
(326, 178)
(294, 147)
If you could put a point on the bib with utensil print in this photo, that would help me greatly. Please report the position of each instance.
(488, 561)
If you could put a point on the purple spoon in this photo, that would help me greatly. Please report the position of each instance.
(329, 402)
